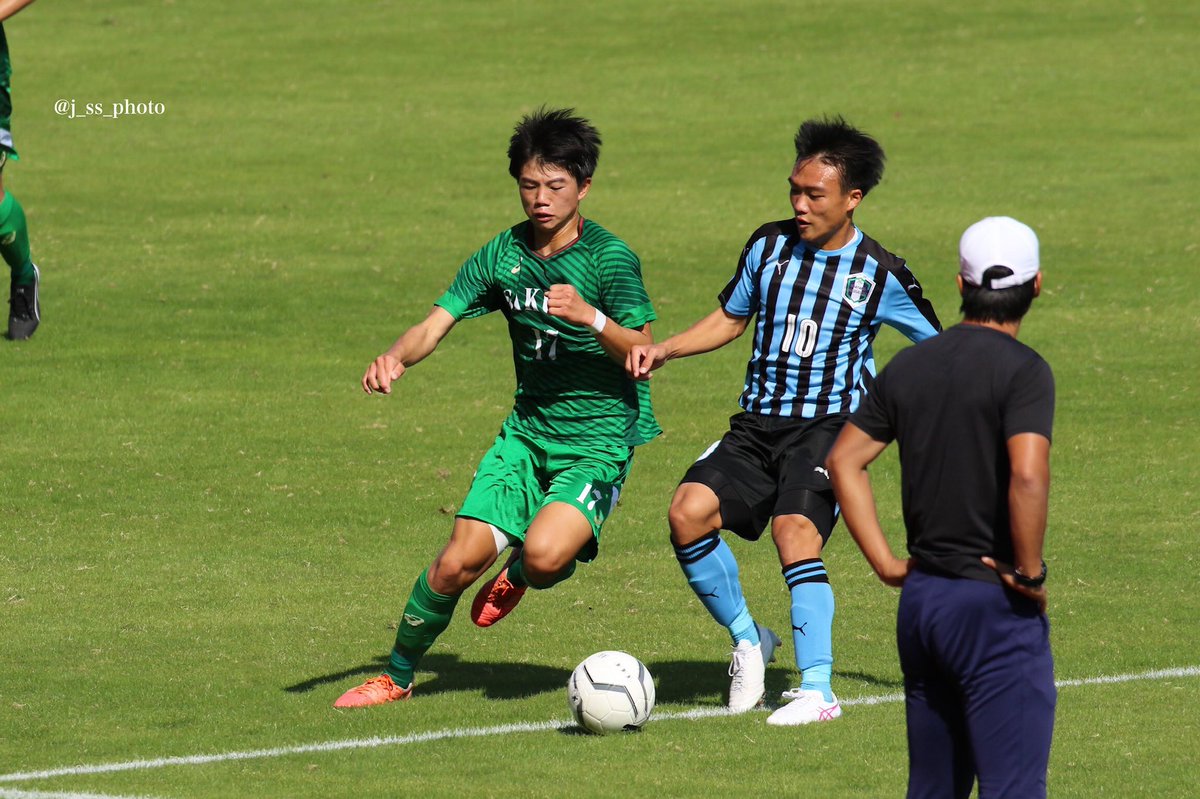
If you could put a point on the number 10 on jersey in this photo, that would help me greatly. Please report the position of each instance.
(807, 340)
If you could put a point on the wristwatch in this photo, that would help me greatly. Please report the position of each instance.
(1030, 582)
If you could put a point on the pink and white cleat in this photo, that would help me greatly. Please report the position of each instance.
(806, 707)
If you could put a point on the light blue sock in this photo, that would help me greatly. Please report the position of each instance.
(812, 623)
(712, 572)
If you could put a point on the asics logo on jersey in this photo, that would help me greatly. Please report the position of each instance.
(413, 621)
(517, 268)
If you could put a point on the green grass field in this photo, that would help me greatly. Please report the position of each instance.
(208, 530)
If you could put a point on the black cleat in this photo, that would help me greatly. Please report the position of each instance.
(24, 310)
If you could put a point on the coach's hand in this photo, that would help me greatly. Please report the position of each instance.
(382, 372)
(1005, 571)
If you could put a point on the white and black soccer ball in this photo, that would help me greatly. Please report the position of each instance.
(611, 692)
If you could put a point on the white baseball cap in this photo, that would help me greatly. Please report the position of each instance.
(998, 241)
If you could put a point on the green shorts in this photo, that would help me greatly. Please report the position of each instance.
(521, 474)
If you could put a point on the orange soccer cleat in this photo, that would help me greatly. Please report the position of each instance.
(375, 691)
(495, 600)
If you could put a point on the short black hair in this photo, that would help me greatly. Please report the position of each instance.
(981, 304)
(857, 156)
(555, 137)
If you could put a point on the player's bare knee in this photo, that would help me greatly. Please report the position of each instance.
(444, 579)
(450, 574)
(543, 570)
(680, 523)
(797, 535)
(691, 517)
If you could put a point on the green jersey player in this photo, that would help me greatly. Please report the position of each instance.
(573, 296)
(24, 312)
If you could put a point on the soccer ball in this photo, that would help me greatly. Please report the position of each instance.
(610, 692)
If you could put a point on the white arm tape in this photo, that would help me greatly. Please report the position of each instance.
(599, 322)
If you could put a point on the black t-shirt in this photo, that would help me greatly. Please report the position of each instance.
(952, 402)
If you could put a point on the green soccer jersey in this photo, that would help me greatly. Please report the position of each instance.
(6, 140)
(568, 388)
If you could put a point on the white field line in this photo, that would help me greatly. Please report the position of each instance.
(450, 734)
(11, 793)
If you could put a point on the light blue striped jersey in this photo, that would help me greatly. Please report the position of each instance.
(817, 313)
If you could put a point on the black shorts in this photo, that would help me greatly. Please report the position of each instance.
(769, 466)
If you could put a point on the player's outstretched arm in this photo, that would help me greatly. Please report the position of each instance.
(712, 332)
(847, 463)
(411, 348)
(10, 7)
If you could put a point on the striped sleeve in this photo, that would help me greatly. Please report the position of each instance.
(473, 292)
(904, 306)
(623, 293)
(740, 295)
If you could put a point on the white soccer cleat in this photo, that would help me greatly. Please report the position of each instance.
(748, 672)
(806, 707)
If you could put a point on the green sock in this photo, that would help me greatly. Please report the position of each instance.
(426, 615)
(516, 575)
(14, 240)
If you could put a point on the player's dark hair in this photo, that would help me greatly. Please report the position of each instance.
(555, 137)
(980, 304)
(857, 157)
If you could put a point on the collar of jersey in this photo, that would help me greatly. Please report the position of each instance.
(523, 239)
(850, 245)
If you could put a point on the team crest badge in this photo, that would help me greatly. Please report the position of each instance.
(858, 290)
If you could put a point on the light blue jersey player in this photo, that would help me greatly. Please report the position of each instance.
(817, 289)
(817, 313)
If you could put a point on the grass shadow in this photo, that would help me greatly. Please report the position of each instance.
(681, 682)
(444, 673)
(693, 682)
(696, 682)
(870, 679)
(373, 668)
